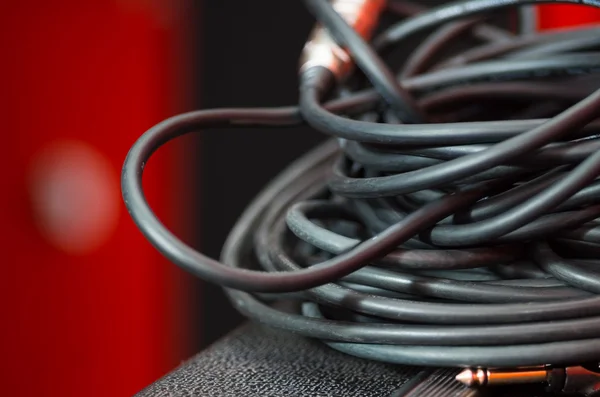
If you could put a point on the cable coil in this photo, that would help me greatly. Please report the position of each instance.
(452, 220)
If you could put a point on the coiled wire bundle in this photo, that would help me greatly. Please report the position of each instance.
(452, 220)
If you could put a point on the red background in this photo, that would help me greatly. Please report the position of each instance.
(555, 16)
(110, 321)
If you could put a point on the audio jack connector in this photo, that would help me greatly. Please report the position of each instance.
(322, 50)
(578, 379)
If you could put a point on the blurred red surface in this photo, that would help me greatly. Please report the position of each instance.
(563, 15)
(105, 319)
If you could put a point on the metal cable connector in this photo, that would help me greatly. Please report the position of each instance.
(578, 379)
(490, 377)
(322, 50)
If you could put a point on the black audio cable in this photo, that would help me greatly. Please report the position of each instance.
(452, 218)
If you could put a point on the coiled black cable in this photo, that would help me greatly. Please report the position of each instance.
(460, 234)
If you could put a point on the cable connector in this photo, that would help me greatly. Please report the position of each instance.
(322, 50)
(584, 380)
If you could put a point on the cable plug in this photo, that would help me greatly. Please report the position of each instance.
(321, 49)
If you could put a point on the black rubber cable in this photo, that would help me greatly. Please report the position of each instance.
(519, 43)
(368, 60)
(464, 243)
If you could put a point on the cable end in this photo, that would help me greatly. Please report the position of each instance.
(467, 378)
(322, 50)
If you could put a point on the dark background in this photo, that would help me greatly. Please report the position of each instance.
(249, 57)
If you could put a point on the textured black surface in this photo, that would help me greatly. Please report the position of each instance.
(439, 382)
(255, 361)
(258, 361)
